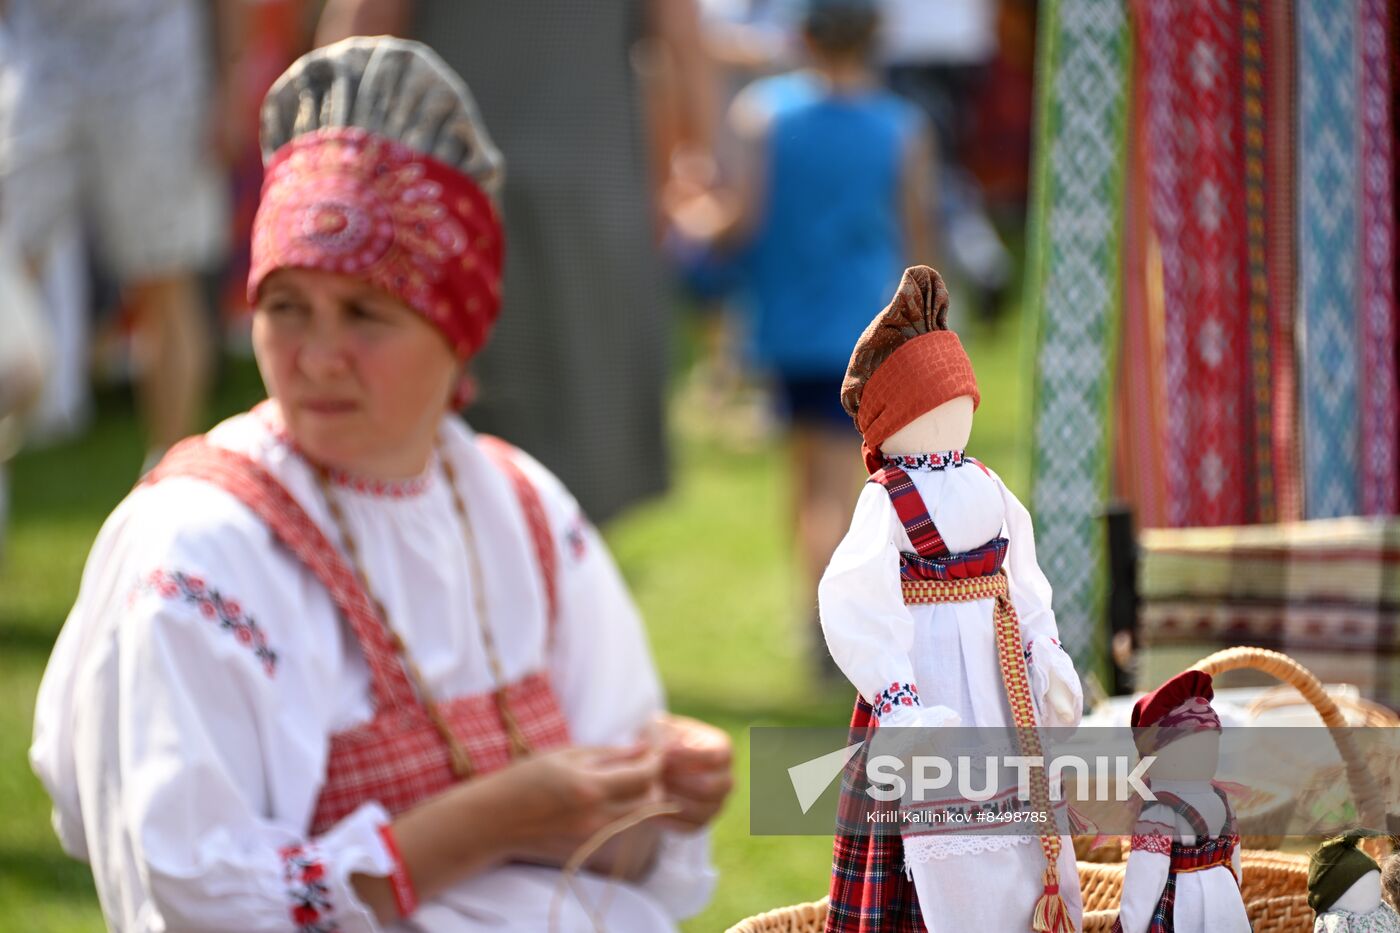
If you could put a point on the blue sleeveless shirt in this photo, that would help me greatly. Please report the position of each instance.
(829, 247)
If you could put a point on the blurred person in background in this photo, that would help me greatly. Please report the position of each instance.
(111, 115)
(577, 373)
(939, 54)
(343, 663)
(830, 209)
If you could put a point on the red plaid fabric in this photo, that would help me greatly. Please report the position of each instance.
(933, 561)
(400, 760)
(397, 758)
(869, 890)
(909, 506)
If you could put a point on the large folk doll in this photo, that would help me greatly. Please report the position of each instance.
(1184, 867)
(1344, 888)
(935, 609)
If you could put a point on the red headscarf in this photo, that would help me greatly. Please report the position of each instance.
(922, 374)
(1178, 708)
(352, 202)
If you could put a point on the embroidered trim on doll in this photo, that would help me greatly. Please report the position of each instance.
(306, 887)
(1154, 842)
(938, 460)
(212, 605)
(896, 694)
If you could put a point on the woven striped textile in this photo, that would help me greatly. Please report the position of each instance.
(1327, 241)
(1325, 592)
(1073, 298)
(1379, 424)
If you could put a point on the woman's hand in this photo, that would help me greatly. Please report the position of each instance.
(697, 768)
(558, 800)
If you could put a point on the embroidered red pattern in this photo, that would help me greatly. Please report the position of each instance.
(213, 606)
(896, 694)
(1154, 842)
(347, 201)
(307, 890)
(383, 488)
(938, 460)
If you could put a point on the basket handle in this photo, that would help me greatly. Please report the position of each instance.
(1363, 786)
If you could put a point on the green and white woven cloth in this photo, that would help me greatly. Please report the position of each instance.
(1073, 300)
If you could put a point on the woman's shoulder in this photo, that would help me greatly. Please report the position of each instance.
(189, 512)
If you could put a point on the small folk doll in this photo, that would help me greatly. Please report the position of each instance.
(1184, 868)
(935, 609)
(1344, 887)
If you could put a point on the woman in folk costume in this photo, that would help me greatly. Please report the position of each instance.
(936, 610)
(341, 663)
(1184, 868)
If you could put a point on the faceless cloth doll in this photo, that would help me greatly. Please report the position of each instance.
(1184, 868)
(1344, 887)
(934, 607)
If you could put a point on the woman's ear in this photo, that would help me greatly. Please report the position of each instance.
(464, 389)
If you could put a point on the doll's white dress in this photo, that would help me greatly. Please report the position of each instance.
(948, 652)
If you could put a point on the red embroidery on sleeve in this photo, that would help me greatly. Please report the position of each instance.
(310, 897)
(212, 605)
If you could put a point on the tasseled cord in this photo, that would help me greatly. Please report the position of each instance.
(1051, 914)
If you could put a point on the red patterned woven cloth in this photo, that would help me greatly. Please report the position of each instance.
(351, 202)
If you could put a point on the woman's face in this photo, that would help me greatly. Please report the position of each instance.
(361, 378)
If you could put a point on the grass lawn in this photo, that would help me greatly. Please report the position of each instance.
(709, 565)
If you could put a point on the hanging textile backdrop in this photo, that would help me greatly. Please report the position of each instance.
(1212, 272)
(1073, 284)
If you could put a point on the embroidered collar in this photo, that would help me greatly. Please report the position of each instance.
(271, 418)
(938, 460)
(383, 488)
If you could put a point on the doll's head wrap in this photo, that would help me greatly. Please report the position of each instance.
(906, 363)
(1178, 708)
(377, 166)
(1335, 867)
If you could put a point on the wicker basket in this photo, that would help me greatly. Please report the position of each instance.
(1275, 889)
(1274, 884)
(1364, 790)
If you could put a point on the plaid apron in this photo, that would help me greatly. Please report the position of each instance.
(870, 893)
(397, 758)
(1208, 852)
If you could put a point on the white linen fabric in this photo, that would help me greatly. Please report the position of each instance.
(1207, 900)
(184, 745)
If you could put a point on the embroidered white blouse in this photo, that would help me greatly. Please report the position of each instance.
(947, 652)
(182, 724)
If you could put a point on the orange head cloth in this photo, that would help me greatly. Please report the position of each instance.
(906, 363)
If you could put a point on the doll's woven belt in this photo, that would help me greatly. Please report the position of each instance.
(1012, 660)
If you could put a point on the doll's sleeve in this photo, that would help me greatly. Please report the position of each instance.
(867, 626)
(1149, 862)
(1031, 595)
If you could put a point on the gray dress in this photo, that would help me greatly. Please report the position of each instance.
(575, 372)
